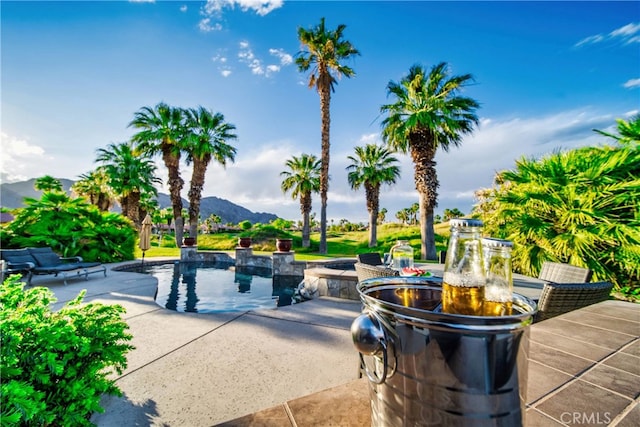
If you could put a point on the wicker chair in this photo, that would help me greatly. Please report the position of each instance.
(564, 273)
(371, 258)
(366, 271)
(559, 298)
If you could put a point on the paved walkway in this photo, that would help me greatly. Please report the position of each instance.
(193, 370)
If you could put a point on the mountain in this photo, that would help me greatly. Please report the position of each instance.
(12, 196)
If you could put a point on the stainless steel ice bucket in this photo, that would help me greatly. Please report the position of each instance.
(428, 368)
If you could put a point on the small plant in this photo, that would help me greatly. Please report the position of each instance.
(55, 366)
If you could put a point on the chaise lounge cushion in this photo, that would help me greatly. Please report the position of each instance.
(48, 260)
(18, 256)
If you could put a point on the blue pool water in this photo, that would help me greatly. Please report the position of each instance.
(220, 287)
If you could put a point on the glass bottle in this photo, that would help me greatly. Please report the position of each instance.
(463, 279)
(498, 291)
(401, 255)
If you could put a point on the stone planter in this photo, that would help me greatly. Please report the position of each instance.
(244, 242)
(284, 245)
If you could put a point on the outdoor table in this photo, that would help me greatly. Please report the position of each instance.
(583, 369)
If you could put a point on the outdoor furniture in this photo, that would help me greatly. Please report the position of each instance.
(557, 272)
(559, 298)
(370, 258)
(366, 271)
(43, 261)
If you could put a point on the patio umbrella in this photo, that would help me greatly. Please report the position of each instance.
(145, 235)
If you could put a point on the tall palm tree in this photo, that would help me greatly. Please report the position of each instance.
(372, 167)
(302, 179)
(131, 177)
(207, 136)
(95, 187)
(162, 132)
(326, 50)
(427, 114)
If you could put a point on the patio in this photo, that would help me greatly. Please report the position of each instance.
(276, 367)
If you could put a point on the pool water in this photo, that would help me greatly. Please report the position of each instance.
(220, 287)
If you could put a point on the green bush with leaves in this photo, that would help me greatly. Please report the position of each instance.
(72, 227)
(580, 207)
(55, 366)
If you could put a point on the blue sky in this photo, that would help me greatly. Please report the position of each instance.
(546, 74)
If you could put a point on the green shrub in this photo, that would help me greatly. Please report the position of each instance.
(72, 227)
(55, 366)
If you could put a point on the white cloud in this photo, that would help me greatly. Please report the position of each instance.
(256, 65)
(632, 83)
(225, 72)
(19, 160)
(285, 58)
(626, 31)
(626, 34)
(183, 8)
(213, 9)
(206, 26)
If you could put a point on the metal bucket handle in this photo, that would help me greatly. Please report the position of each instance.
(369, 334)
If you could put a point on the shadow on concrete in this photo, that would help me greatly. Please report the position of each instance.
(121, 411)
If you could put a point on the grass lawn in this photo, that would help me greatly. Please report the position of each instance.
(339, 244)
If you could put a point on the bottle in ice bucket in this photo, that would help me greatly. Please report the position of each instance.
(498, 289)
(401, 255)
(463, 279)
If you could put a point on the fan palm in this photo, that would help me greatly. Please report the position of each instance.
(427, 114)
(47, 183)
(371, 167)
(579, 207)
(95, 187)
(302, 179)
(131, 177)
(207, 136)
(162, 133)
(325, 52)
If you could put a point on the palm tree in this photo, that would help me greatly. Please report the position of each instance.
(207, 136)
(372, 167)
(95, 187)
(162, 132)
(382, 215)
(427, 114)
(325, 52)
(414, 209)
(47, 183)
(131, 177)
(302, 179)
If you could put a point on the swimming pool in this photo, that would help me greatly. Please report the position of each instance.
(212, 287)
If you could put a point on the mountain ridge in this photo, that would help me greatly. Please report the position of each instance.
(12, 196)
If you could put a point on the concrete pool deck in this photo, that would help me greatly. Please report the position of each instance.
(192, 369)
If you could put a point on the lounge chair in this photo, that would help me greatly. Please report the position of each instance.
(42, 261)
(366, 271)
(371, 258)
(560, 298)
(557, 272)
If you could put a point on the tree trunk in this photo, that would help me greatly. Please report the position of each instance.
(373, 229)
(427, 235)
(306, 231)
(195, 194)
(325, 101)
(175, 182)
